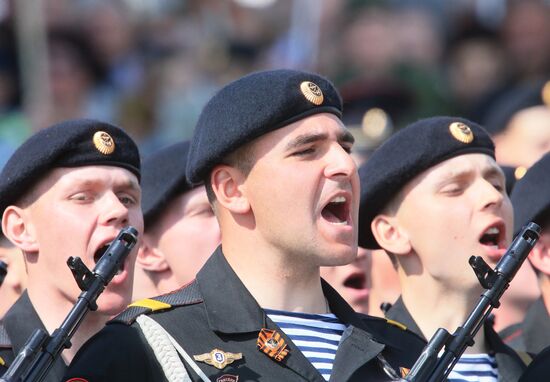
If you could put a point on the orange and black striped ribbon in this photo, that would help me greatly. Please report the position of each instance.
(272, 344)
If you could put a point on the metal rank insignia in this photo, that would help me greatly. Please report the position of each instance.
(272, 344)
(104, 143)
(312, 92)
(461, 132)
(218, 358)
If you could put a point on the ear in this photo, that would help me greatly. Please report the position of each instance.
(540, 254)
(390, 236)
(17, 228)
(227, 184)
(150, 258)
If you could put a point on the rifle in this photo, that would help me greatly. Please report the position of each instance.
(40, 351)
(428, 367)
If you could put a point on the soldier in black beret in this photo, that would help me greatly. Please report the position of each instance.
(432, 196)
(531, 202)
(512, 175)
(68, 191)
(274, 156)
(181, 231)
(519, 122)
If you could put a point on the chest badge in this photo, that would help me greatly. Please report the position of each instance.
(218, 358)
(271, 343)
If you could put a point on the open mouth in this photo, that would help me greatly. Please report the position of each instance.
(356, 281)
(337, 210)
(494, 237)
(101, 251)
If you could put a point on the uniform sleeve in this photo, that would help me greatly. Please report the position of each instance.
(116, 353)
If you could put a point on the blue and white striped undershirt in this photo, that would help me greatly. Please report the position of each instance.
(475, 367)
(316, 335)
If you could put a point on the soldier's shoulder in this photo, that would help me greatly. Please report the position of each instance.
(391, 332)
(6, 349)
(185, 296)
(115, 353)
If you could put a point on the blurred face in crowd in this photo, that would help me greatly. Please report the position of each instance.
(303, 191)
(452, 211)
(352, 281)
(16, 278)
(185, 235)
(79, 212)
(526, 139)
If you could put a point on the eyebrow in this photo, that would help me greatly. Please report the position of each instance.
(344, 136)
(487, 172)
(131, 184)
(127, 183)
(493, 171)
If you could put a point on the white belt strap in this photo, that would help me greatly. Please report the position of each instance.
(164, 347)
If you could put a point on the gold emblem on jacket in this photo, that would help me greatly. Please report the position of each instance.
(218, 358)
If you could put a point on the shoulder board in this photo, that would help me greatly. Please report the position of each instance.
(396, 323)
(525, 357)
(389, 331)
(187, 295)
(5, 341)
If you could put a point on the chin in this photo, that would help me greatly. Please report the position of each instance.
(340, 256)
(111, 304)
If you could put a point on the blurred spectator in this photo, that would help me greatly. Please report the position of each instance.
(13, 126)
(75, 78)
(476, 68)
(526, 36)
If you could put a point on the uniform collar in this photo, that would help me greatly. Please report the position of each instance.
(21, 320)
(399, 312)
(536, 327)
(226, 296)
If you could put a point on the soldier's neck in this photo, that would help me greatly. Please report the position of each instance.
(275, 280)
(52, 313)
(433, 307)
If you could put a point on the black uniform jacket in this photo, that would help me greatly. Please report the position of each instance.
(510, 363)
(539, 369)
(20, 322)
(216, 311)
(533, 334)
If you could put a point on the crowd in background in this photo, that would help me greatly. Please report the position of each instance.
(150, 66)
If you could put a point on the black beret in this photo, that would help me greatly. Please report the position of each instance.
(531, 195)
(406, 154)
(75, 143)
(253, 106)
(162, 178)
(514, 100)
